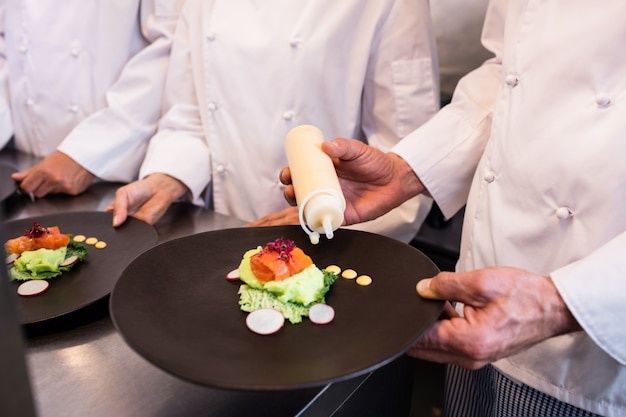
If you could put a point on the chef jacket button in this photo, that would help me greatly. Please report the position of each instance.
(220, 168)
(23, 48)
(294, 43)
(511, 80)
(75, 52)
(212, 106)
(603, 100)
(288, 115)
(210, 37)
(30, 102)
(73, 108)
(563, 213)
(489, 177)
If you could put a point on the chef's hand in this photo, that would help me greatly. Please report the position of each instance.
(506, 310)
(373, 182)
(56, 173)
(279, 218)
(146, 199)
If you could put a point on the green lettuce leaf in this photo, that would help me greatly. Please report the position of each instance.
(73, 248)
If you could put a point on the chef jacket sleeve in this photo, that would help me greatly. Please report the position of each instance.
(111, 143)
(179, 148)
(594, 289)
(445, 151)
(6, 125)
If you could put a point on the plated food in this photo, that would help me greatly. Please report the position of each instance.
(282, 282)
(42, 253)
(280, 276)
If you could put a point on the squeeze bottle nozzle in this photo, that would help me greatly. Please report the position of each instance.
(328, 226)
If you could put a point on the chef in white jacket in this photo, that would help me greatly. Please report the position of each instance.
(534, 143)
(81, 84)
(243, 74)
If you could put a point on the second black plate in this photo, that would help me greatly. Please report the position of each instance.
(93, 278)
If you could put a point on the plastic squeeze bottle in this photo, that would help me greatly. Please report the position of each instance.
(318, 194)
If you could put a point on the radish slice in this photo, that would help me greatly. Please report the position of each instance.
(11, 258)
(233, 275)
(265, 321)
(69, 260)
(33, 287)
(321, 313)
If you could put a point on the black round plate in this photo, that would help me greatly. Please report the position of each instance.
(95, 277)
(174, 306)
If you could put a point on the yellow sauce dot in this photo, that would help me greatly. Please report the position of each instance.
(364, 280)
(91, 240)
(334, 269)
(349, 274)
(101, 244)
(79, 238)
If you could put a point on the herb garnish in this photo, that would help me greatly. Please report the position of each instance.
(36, 231)
(282, 247)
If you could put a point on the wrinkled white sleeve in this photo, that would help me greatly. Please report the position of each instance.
(179, 148)
(445, 151)
(594, 290)
(6, 125)
(111, 143)
(401, 92)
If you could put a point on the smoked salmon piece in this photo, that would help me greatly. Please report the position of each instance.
(279, 260)
(37, 237)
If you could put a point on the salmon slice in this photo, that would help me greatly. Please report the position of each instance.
(279, 260)
(37, 237)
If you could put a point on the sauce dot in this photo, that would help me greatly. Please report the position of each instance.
(364, 280)
(349, 274)
(334, 269)
(79, 238)
(101, 244)
(91, 240)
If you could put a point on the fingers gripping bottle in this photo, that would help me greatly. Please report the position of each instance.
(318, 194)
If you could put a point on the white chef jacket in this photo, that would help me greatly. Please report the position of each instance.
(84, 77)
(244, 73)
(534, 142)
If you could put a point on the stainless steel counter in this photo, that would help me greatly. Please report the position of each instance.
(80, 366)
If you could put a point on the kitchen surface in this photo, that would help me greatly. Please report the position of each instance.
(80, 365)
